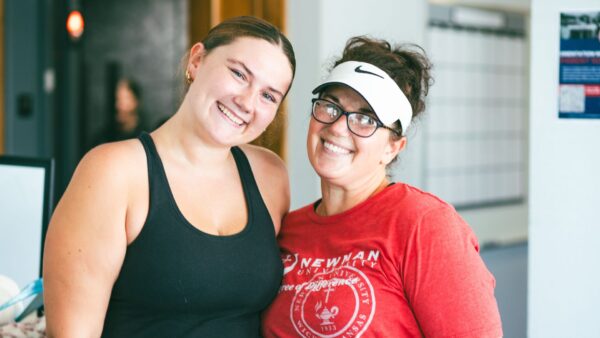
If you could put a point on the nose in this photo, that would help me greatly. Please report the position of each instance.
(246, 99)
(340, 127)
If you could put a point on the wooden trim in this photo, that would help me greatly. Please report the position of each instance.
(257, 8)
(199, 20)
(283, 16)
(2, 106)
(215, 12)
(284, 142)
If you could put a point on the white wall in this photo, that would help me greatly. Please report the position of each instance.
(319, 30)
(304, 31)
(564, 254)
(501, 225)
(510, 5)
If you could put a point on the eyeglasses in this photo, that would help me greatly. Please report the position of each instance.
(359, 124)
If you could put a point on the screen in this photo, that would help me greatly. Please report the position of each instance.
(25, 194)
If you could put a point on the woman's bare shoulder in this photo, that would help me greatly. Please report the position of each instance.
(108, 172)
(271, 176)
(263, 159)
(120, 158)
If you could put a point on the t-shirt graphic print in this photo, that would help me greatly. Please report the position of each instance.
(334, 297)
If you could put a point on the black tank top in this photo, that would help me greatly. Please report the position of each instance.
(177, 281)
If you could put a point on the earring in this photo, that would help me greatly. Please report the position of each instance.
(188, 77)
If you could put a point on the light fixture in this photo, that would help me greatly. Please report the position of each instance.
(75, 25)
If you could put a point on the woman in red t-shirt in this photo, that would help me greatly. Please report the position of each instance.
(374, 258)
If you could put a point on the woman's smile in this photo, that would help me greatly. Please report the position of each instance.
(333, 148)
(230, 116)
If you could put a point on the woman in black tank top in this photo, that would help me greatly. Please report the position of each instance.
(173, 234)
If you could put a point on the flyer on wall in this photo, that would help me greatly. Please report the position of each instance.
(579, 73)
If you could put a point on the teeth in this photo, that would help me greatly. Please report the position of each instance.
(230, 115)
(335, 149)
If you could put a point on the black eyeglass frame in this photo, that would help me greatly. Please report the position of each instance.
(378, 124)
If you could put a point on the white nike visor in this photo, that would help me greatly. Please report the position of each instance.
(376, 87)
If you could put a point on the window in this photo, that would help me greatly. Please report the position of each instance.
(476, 132)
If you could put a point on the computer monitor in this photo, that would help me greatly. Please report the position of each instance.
(26, 186)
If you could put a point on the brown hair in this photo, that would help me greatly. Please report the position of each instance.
(248, 26)
(406, 64)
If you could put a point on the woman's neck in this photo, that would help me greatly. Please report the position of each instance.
(182, 143)
(337, 199)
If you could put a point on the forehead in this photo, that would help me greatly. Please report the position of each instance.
(347, 97)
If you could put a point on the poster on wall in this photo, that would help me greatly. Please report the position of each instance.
(579, 73)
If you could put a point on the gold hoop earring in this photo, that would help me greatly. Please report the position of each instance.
(188, 77)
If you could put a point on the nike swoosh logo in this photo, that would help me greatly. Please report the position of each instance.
(358, 70)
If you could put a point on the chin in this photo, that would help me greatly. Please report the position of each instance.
(229, 136)
(328, 171)
(251, 138)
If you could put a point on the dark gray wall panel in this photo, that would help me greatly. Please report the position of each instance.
(148, 39)
(24, 132)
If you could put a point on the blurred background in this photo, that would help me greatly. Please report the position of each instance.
(490, 141)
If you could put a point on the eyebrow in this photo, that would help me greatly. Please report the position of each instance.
(337, 100)
(247, 70)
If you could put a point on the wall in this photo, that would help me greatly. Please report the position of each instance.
(148, 40)
(510, 5)
(332, 22)
(25, 133)
(1, 77)
(306, 41)
(501, 223)
(564, 255)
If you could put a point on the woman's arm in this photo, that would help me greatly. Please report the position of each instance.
(447, 283)
(86, 244)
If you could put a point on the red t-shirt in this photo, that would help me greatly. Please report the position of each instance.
(401, 264)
